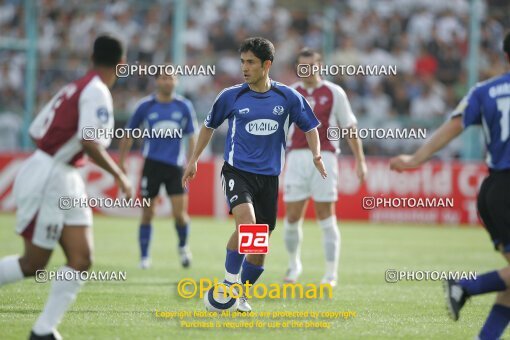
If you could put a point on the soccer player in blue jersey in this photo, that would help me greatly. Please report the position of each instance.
(164, 159)
(259, 113)
(486, 104)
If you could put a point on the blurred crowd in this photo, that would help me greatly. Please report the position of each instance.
(426, 39)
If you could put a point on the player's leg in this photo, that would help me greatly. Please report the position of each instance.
(29, 193)
(494, 212)
(499, 316)
(179, 199)
(325, 195)
(243, 214)
(265, 204)
(293, 236)
(145, 233)
(238, 193)
(252, 265)
(72, 228)
(182, 225)
(14, 268)
(76, 241)
(152, 177)
(457, 292)
(296, 192)
(326, 217)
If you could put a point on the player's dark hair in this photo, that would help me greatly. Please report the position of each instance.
(108, 51)
(260, 47)
(506, 44)
(308, 52)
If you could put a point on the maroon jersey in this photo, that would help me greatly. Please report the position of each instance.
(331, 106)
(85, 104)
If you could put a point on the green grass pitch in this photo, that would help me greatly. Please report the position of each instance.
(125, 310)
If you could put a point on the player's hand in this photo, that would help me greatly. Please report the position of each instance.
(317, 161)
(361, 170)
(403, 162)
(125, 185)
(189, 173)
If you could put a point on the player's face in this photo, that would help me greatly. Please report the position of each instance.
(252, 67)
(165, 84)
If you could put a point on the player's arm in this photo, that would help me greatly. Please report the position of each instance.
(204, 137)
(302, 115)
(446, 132)
(96, 112)
(192, 142)
(125, 145)
(98, 154)
(356, 147)
(344, 115)
(219, 112)
(191, 129)
(126, 142)
(314, 144)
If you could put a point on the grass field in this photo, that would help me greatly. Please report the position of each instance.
(125, 310)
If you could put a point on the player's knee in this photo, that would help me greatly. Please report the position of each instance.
(245, 218)
(147, 216)
(29, 266)
(292, 217)
(181, 218)
(323, 215)
(256, 259)
(505, 274)
(81, 263)
(503, 298)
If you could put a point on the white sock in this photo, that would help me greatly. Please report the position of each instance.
(293, 234)
(62, 295)
(233, 278)
(331, 241)
(10, 270)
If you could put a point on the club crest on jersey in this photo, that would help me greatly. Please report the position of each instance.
(278, 110)
(153, 115)
(102, 115)
(244, 111)
(262, 127)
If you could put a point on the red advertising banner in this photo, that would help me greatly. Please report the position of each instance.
(438, 192)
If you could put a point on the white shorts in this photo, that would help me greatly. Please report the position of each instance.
(38, 188)
(302, 180)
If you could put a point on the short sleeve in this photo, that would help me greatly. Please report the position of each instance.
(342, 108)
(469, 109)
(220, 111)
(137, 118)
(301, 113)
(96, 112)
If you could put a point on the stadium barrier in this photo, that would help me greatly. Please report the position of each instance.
(437, 193)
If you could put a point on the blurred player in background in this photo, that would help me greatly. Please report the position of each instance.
(486, 104)
(331, 106)
(164, 160)
(50, 173)
(259, 112)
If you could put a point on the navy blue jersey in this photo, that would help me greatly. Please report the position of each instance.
(174, 115)
(488, 104)
(258, 124)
